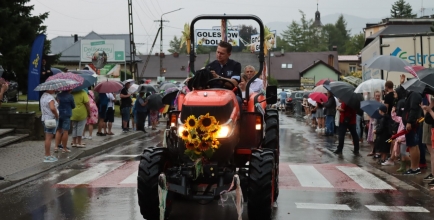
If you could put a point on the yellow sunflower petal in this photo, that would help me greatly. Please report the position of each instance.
(191, 122)
(185, 135)
(206, 122)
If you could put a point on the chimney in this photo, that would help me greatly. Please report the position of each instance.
(335, 48)
(75, 38)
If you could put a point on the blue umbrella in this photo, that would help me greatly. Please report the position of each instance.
(371, 108)
(56, 71)
(88, 81)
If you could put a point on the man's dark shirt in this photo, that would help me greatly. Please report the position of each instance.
(230, 70)
(125, 102)
(390, 100)
(44, 77)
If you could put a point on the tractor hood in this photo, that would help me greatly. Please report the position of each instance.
(220, 103)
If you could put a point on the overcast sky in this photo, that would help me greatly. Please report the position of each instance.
(111, 16)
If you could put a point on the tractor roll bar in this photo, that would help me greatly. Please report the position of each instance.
(233, 17)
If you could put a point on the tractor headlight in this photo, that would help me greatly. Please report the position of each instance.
(224, 131)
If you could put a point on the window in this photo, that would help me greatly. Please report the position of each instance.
(289, 65)
(352, 69)
(283, 65)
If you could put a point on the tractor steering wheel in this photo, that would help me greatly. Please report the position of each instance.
(235, 89)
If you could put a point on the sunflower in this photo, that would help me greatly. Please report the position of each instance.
(206, 137)
(213, 131)
(189, 145)
(206, 122)
(203, 146)
(196, 142)
(191, 122)
(185, 135)
(215, 144)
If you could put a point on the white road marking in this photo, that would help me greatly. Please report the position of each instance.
(132, 155)
(93, 173)
(322, 206)
(308, 176)
(382, 208)
(365, 179)
(131, 179)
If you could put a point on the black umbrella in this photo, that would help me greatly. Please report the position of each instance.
(166, 86)
(345, 92)
(147, 88)
(426, 76)
(155, 102)
(414, 85)
(169, 96)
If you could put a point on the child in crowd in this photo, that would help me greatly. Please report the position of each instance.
(382, 133)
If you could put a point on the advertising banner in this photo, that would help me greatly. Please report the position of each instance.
(115, 49)
(35, 67)
(209, 37)
(254, 39)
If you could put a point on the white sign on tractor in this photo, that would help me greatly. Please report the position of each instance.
(115, 49)
(254, 39)
(209, 37)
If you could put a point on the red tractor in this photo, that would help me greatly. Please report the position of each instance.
(248, 146)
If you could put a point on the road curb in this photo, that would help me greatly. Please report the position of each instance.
(31, 173)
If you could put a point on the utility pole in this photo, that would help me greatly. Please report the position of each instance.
(131, 33)
(161, 38)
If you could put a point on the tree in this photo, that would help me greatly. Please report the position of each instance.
(175, 45)
(342, 34)
(282, 44)
(17, 33)
(402, 9)
(355, 44)
(272, 81)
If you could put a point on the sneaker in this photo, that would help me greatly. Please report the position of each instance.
(89, 138)
(431, 183)
(124, 131)
(429, 178)
(337, 152)
(49, 159)
(84, 137)
(412, 172)
(388, 163)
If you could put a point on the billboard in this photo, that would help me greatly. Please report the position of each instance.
(254, 39)
(209, 37)
(115, 49)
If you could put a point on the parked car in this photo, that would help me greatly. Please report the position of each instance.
(12, 93)
(296, 96)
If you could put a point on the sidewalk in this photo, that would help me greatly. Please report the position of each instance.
(23, 160)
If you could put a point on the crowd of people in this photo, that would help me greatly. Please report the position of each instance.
(80, 109)
(396, 137)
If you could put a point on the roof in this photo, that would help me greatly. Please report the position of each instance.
(173, 65)
(400, 29)
(71, 50)
(348, 58)
(300, 61)
(316, 63)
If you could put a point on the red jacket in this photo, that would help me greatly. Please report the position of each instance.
(348, 112)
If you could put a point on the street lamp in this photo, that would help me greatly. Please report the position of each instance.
(161, 39)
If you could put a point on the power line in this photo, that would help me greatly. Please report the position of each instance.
(140, 20)
(159, 6)
(144, 11)
(173, 27)
(144, 2)
(154, 6)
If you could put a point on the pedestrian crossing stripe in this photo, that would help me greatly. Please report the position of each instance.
(374, 208)
(306, 177)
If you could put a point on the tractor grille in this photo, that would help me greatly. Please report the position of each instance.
(221, 113)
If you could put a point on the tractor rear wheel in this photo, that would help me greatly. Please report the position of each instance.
(271, 141)
(153, 162)
(261, 184)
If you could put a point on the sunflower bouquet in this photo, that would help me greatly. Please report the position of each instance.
(199, 135)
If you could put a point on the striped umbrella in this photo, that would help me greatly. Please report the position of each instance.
(57, 84)
(67, 75)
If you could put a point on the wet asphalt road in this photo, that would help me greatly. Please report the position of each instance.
(331, 187)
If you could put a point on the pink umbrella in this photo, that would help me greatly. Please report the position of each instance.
(67, 75)
(413, 69)
(318, 97)
(108, 87)
(323, 81)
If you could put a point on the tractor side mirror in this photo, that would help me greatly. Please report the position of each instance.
(271, 94)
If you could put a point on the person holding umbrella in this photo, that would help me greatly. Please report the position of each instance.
(330, 112)
(412, 111)
(126, 103)
(141, 110)
(347, 120)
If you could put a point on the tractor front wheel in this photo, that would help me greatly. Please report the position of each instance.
(153, 162)
(261, 184)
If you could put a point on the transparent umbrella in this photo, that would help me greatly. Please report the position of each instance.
(371, 86)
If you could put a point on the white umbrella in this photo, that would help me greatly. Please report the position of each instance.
(371, 86)
(133, 88)
(388, 63)
(320, 89)
(311, 101)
